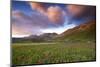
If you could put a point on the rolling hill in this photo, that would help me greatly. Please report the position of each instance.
(83, 32)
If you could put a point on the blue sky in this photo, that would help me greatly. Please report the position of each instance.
(33, 18)
(25, 7)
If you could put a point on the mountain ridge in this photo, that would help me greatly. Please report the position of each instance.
(86, 31)
(83, 31)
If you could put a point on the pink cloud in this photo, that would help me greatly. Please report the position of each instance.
(37, 6)
(75, 9)
(24, 24)
(81, 11)
(55, 14)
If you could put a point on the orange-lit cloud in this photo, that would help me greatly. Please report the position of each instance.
(17, 14)
(37, 6)
(75, 9)
(19, 31)
(55, 14)
(80, 11)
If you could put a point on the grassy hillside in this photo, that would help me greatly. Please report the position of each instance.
(83, 32)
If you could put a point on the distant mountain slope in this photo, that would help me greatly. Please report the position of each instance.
(34, 38)
(83, 32)
(86, 31)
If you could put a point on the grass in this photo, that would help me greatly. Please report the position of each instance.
(48, 53)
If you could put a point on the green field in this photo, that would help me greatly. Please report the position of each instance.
(57, 52)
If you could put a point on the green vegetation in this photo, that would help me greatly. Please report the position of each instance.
(85, 32)
(74, 45)
(57, 52)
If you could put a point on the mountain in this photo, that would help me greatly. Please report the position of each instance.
(83, 32)
(36, 38)
(48, 36)
(42, 37)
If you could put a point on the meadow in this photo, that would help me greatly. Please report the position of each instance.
(54, 52)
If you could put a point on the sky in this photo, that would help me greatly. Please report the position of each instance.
(35, 18)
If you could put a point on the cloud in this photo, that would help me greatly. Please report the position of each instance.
(17, 30)
(80, 11)
(55, 14)
(38, 6)
(75, 9)
(24, 24)
(48, 16)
